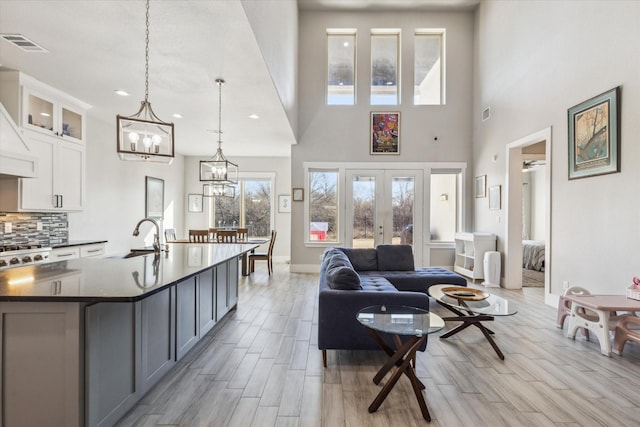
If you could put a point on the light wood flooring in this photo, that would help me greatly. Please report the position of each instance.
(261, 367)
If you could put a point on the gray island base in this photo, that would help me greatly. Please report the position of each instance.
(84, 340)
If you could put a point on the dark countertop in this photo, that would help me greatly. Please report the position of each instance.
(113, 279)
(78, 243)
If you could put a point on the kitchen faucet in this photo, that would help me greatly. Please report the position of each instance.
(156, 237)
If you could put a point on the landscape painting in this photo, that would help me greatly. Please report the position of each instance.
(593, 136)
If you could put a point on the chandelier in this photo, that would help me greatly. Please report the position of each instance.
(143, 136)
(220, 174)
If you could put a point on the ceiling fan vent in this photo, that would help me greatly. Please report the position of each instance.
(23, 43)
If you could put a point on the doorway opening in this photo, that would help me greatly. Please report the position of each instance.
(528, 151)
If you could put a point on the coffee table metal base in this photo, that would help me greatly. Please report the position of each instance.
(468, 320)
(400, 358)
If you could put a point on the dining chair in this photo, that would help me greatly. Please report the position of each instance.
(243, 233)
(199, 236)
(227, 236)
(268, 256)
(170, 235)
(213, 232)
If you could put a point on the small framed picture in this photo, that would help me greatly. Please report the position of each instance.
(154, 198)
(284, 203)
(495, 197)
(481, 186)
(195, 202)
(298, 194)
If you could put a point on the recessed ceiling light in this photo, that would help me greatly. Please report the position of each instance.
(254, 116)
(121, 92)
(177, 115)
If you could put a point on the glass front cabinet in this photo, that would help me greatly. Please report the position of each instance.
(39, 107)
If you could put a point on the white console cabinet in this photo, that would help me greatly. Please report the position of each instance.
(470, 249)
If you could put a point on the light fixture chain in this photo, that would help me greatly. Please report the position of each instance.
(146, 57)
(219, 113)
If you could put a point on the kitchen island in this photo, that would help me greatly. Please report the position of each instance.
(83, 340)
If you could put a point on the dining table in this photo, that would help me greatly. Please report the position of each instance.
(245, 255)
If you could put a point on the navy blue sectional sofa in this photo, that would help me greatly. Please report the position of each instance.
(352, 279)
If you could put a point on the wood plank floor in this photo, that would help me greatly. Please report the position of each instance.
(261, 367)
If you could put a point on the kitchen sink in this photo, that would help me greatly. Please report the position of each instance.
(134, 253)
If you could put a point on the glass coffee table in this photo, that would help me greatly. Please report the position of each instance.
(472, 310)
(408, 327)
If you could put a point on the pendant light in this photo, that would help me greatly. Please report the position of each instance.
(218, 190)
(220, 174)
(143, 136)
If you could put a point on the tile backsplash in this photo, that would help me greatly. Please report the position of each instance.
(24, 228)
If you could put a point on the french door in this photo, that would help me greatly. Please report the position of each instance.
(384, 207)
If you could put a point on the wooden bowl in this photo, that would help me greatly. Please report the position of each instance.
(466, 294)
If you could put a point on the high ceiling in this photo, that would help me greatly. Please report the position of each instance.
(96, 47)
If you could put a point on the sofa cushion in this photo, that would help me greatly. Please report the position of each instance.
(419, 280)
(363, 259)
(343, 278)
(335, 257)
(395, 257)
(376, 284)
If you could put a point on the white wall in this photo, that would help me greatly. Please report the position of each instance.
(115, 196)
(538, 205)
(275, 26)
(341, 133)
(534, 60)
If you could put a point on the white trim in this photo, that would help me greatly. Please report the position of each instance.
(513, 205)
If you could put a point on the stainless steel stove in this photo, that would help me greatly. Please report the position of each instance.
(19, 255)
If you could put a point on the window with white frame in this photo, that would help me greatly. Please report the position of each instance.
(252, 207)
(429, 67)
(323, 205)
(341, 67)
(445, 202)
(385, 48)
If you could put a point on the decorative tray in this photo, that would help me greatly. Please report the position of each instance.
(467, 294)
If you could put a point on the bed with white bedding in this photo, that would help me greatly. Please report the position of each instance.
(533, 254)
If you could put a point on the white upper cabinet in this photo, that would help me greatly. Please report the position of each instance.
(53, 128)
(37, 106)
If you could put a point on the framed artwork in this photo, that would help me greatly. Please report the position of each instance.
(284, 203)
(495, 197)
(385, 133)
(154, 198)
(594, 136)
(195, 202)
(298, 194)
(481, 186)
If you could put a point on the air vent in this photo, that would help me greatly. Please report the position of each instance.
(23, 43)
(486, 113)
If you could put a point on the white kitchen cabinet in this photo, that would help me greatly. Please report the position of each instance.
(37, 106)
(60, 182)
(469, 254)
(92, 251)
(64, 253)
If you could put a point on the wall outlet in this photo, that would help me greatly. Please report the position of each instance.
(38, 226)
(7, 227)
(565, 285)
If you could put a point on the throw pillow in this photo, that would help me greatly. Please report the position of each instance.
(343, 278)
(395, 257)
(363, 259)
